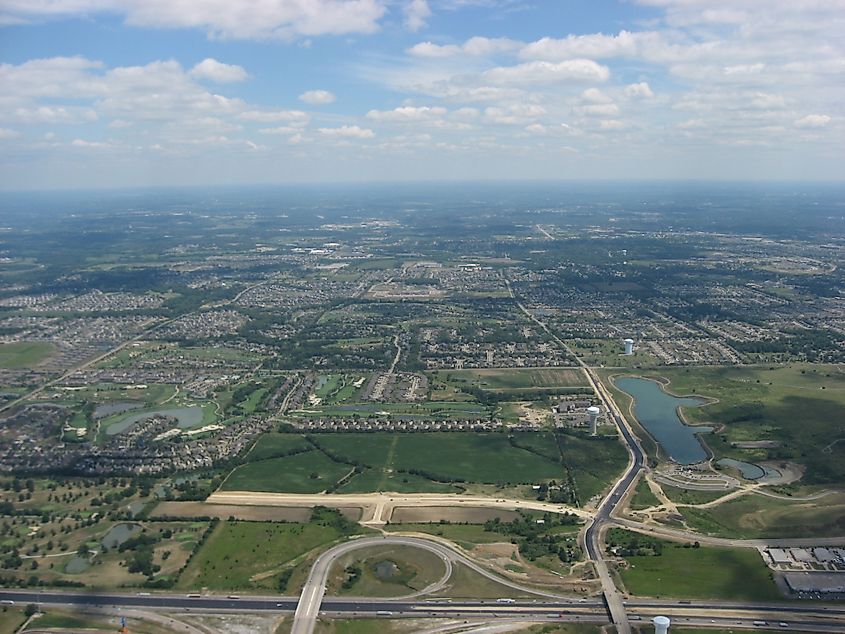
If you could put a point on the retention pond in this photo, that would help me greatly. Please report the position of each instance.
(657, 411)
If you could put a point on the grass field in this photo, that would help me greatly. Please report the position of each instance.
(755, 516)
(593, 462)
(643, 498)
(71, 620)
(485, 458)
(383, 480)
(309, 472)
(467, 584)
(250, 555)
(24, 354)
(799, 406)
(685, 496)
(386, 572)
(702, 573)
(510, 379)
(425, 463)
(11, 618)
(277, 445)
(53, 619)
(464, 534)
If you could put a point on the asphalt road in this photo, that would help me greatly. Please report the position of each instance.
(592, 535)
(712, 614)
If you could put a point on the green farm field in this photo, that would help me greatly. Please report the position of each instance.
(309, 472)
(24, 354)
(517, 379)
(425, 462)
(484, 458)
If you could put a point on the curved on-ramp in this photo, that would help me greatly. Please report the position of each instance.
(311, 598)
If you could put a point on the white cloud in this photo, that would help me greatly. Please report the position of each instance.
(317, 97)
(765, 101)
(640, 90)
(218, 72)
(7, 133)
(347, 131)
(547, 72)
(475, 46)
(461, 92)
(230, 19)
(559, 129)
(407, 114)
(598, 46)
(517, 114)
(612, 124)
(416, 14)
(465, 113)
(91, 145)
(52, 114)
(594, 95)
(284, 129)
(812, 121)
(292, 117)
(600, 109)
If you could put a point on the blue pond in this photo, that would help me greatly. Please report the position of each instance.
(657, 412)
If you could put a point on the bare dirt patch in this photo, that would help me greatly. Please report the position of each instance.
(473, 515)
(248, 513)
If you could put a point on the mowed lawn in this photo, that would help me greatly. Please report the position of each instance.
(701, 573)
(309, 472)
(244, 555)
(24, 354)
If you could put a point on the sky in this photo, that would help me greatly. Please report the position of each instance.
(115, 93)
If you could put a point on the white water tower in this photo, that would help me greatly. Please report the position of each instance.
(629, 347)
(594, 412)
(661, 624)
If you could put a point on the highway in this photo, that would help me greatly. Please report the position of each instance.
(712, 614)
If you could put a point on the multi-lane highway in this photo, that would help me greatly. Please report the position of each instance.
(712, 614)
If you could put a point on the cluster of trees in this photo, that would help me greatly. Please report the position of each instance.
(629, 544)
(332, 517)
(353, 573)
(811, 344)
(536, 538)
